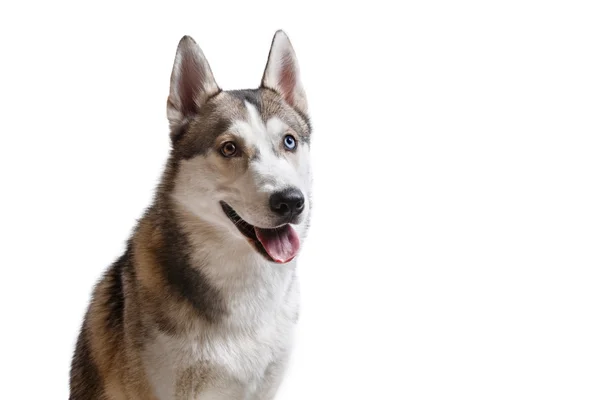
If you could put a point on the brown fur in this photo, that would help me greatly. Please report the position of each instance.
(152, 287)
(155, 287)
(133, 298)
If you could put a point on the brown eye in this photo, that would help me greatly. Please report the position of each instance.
(229, 149)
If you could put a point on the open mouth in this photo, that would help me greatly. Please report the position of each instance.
(280, 244)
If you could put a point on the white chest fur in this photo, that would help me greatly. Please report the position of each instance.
(262, 309)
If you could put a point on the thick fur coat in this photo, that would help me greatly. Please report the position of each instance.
(203, 302)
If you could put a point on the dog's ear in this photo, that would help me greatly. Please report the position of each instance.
(282, 73)
(192, 83)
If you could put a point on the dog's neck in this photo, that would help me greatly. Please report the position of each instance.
(242, 278)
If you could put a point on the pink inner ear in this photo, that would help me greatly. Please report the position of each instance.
(287, 78)
(190, 82)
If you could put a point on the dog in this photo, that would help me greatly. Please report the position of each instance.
(203, 302)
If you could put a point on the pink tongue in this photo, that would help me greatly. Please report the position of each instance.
(282, 243)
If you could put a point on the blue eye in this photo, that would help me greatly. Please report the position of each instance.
(289, 142)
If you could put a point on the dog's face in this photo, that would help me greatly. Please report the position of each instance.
(243, 156)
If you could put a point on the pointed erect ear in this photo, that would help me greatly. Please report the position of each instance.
(282, 73)
(192, 83)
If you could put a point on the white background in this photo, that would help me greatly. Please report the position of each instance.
(454, 251)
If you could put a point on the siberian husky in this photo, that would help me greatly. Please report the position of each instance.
(203, 302)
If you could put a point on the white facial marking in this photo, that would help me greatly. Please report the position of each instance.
(255, 120)
(276, 127)
(200, 184)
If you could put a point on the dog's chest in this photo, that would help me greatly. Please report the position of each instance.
(236, 352)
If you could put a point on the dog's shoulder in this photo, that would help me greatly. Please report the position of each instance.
(100, 351)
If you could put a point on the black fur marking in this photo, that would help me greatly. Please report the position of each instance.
(85, 380)
(185, 279)
(252, 96)
(115, 302)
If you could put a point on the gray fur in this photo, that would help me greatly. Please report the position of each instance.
(191, 310)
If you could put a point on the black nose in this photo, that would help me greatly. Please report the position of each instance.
(287, 203)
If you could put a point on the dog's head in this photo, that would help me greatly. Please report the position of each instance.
(243, 156)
